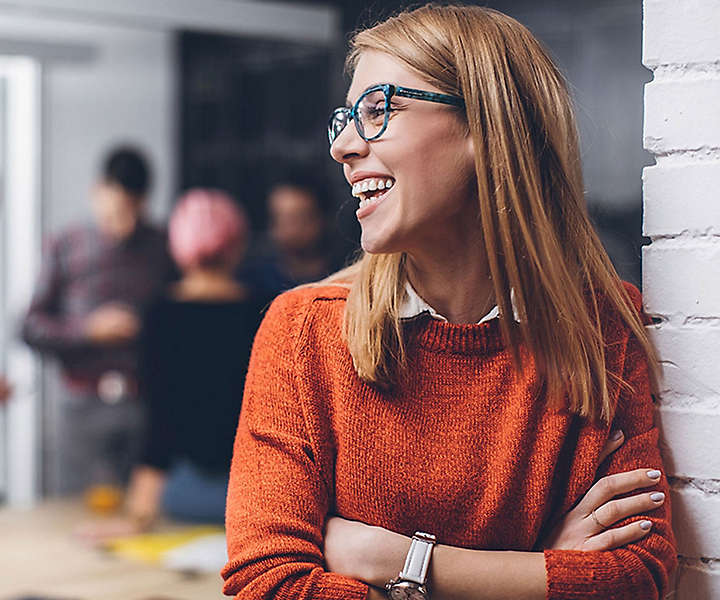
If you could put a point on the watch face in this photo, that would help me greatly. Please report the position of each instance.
(406, 590)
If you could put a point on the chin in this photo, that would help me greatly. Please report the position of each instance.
(374, 246)
(380, 240)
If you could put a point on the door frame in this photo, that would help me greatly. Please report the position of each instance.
(21, 240)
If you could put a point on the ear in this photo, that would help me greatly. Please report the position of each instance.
(468, 151)
(470, 145)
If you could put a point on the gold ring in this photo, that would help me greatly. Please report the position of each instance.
(597, 521)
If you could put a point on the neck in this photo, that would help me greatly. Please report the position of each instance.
(455, 281)
(304, 265)
(204, 283)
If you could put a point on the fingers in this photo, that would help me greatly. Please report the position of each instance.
(613, 485)
(614, 442)
(620, 536)
(95, 533)
(617, 510)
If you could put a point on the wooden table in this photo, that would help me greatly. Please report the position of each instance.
(39, 557)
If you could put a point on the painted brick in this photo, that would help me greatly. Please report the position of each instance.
(697, 583)
(682, 114)
(681, 31)
(682, 198)
(682, 277)
(696, 522)
(690, 442)
(691, 364)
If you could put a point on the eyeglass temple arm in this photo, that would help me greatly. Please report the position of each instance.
(429, 96)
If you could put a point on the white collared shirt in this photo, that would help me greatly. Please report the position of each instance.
(413, 305)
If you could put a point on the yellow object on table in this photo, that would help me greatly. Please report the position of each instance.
(151, 547)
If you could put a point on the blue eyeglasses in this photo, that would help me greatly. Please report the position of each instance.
(371, 112)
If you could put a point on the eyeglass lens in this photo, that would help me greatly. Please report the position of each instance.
(370, 118)
(338, 122)
(371, 114)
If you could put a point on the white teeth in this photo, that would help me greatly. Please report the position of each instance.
(370, 185)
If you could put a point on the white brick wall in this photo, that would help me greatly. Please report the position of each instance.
(682, 112)
(699, 459)
(681, 270)
(698, 211)
(680, 32)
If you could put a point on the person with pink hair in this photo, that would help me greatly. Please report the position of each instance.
(208, 232)
(195, 346)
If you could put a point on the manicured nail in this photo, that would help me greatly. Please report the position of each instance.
(657, 497)
(616, 435)
(653, 474)
(645, 525)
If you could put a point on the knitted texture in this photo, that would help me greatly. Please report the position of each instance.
(466, 448)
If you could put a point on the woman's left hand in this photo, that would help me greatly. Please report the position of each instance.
(364, 552)
(589, 526)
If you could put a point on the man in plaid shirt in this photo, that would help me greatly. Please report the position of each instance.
(86, 312)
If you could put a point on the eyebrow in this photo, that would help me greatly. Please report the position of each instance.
(347, 98)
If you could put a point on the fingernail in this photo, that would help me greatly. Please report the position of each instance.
(657, 497)
(616, 435)
(654, 474)
(645, 525)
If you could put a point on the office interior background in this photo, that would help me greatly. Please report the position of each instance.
(226, 94)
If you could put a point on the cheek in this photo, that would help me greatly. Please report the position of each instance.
(439, 181)
(439, 159)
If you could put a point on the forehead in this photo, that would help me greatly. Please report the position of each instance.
(377, 67)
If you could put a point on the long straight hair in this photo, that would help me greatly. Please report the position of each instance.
(539, 240)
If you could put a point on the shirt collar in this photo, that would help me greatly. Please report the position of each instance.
(413, 305)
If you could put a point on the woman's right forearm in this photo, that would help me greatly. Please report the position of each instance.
(375, 594)
(376, 555)
(463, 574)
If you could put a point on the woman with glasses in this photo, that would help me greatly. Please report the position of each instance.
(464, 412)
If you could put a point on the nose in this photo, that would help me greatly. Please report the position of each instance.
(348, 145)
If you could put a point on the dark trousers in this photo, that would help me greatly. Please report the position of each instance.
(94, 442)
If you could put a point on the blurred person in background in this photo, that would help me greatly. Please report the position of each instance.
(95, 282)
(5, 389)
(299, 247)
(195, 346)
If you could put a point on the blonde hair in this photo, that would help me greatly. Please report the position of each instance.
(539, 240)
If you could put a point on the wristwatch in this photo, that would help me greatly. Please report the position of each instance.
(410, 584)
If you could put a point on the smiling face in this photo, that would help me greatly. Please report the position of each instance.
(426, 156)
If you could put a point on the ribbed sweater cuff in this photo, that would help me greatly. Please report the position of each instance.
(322, 586)
(574, 575)
(338, 587)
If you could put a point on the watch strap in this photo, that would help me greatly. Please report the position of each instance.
(418, 558)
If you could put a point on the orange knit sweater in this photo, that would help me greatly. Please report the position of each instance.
(463, 450)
